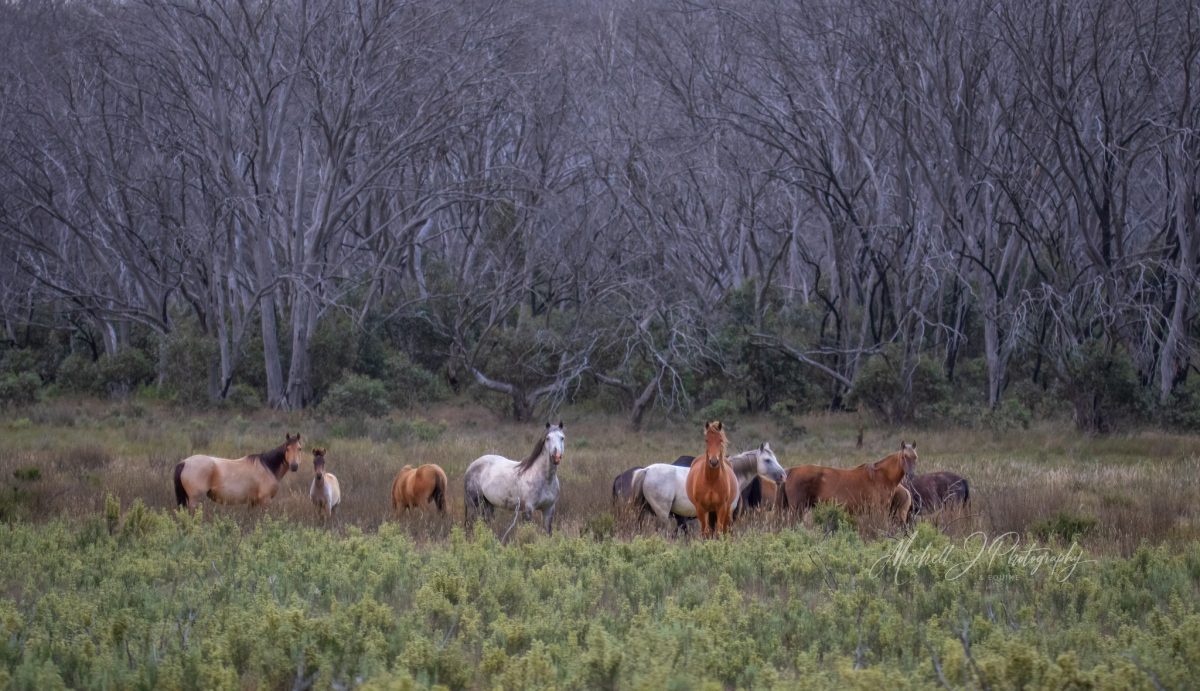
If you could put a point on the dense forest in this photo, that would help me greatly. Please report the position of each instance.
(974, 212)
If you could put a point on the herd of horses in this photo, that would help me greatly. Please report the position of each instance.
(712, 489)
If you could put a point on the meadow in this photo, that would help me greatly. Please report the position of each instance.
(104, 585)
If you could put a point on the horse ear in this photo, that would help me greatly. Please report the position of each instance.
(718, 426)
(763, 447)
(560, 423)
(547, 425)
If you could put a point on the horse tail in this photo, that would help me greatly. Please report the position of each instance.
(439, 489)
(181, 494)
(635, 492)
(966, 493)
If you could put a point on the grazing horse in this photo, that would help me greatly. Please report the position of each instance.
(521, 486)
(933, 491)
(325, 490)
(252, 479)
(417, 487)
(870, 485)
(662, 489)
(712, 486)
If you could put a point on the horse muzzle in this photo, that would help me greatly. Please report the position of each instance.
(556, 458)
(713, 462)
(295, 466)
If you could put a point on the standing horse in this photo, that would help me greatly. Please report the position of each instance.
(417, 487)
(933, 491)
(865, 487)
(521, 486)
(622, 489)
(252, 479)
(662, 489)
(325, 490)
(711, 485)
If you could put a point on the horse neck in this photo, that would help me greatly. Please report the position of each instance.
(892, 467)
(274, 461)
(547, 472)
(745, 467)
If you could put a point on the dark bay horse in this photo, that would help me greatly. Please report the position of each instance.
(252, 479)
(712, 486)
(859, 489)
(933, 491)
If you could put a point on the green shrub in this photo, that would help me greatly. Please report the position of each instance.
(410, 384)
(243, 397)
(721, 409)
(1103, 385)
(120, 374)
(879, 387)
(356, 396)
(831, 518)
(1065, 526)
(19, 389)
(186, 367)
(1182, 410)
(416, 430)
(78, 374)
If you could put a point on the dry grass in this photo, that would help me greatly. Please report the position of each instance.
(1125, 490)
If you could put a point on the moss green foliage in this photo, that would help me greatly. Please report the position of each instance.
(156, 600)
(356, 396)
(880, 388)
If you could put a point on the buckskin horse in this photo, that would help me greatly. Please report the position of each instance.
(252, 479)
(521, 486)
(712, 486)
(860, 489)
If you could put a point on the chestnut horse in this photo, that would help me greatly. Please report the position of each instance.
(416, 487)
(252, 479)
(712, 486)
(865, 487)
(325, 491)
(933, 491)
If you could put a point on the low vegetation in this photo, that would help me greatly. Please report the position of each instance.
(104, 585)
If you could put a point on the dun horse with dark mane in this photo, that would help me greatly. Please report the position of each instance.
(712, 486)
(252, 479)
(862, 488)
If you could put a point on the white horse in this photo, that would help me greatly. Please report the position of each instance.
(663, 486)
(522, 487)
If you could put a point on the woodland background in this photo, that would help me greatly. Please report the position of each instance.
(974, 213)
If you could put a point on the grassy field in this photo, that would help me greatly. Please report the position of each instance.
(104, 585)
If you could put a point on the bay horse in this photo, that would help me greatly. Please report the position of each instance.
(661, 489)
(520, 486)
(712, 486)
(252, 479)
(325, 491)
(417, 487)
(859, 489)
(933, 491)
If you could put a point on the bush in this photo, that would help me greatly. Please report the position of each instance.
(19, 389)
(120, 374)
(879, 387)
(721, 409)
(187, 362)
(243, 397)
(356, 396)
(412, 384)
(78, 374)
(1065, 526)
(1182, 410)
(1104, 388)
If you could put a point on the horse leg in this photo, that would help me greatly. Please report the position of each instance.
(703, 517)
(548, 519)
(723, 519)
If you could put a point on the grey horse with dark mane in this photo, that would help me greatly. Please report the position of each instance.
(519, 486)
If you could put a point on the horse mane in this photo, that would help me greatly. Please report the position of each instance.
(526, 464)
(744, 461)
(273, 459)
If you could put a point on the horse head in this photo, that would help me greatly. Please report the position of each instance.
(291, 451)
(768, 464)
(319, 463)
(714, 442)
(556, 442)
(908, 456)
